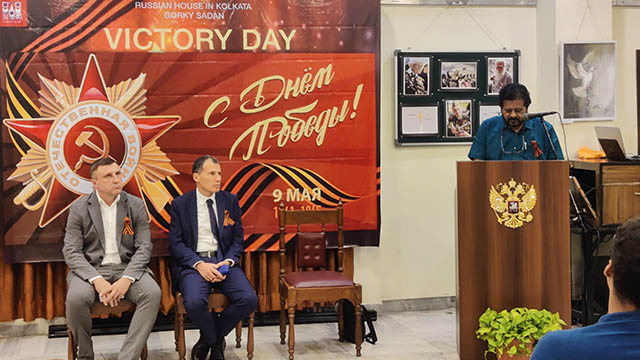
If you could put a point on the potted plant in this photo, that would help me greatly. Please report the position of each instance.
(511, 334)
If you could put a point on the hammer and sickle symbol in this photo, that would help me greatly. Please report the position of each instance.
(83, 140)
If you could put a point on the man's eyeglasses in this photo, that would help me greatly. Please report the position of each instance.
(523, 147)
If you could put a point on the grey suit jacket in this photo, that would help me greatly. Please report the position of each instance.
(84, 246)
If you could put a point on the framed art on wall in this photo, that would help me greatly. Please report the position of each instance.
(588, 81)
(459, 118)
(420, 120)
(416, 75)
(457, 75)
(499, 73)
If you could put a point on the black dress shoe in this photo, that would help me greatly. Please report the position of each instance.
(200, 350)
(217, 351)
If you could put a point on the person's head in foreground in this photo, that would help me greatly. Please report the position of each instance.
(616, 335)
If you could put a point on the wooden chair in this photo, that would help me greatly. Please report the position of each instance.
(217, 302)
(317, 284)
(99, 310)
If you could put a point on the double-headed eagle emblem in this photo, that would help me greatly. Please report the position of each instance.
(512, 203)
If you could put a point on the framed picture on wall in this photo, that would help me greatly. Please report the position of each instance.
(588, 81)
(420, 120)
(458, 75)
(488, 111)
(416, 75)
(499, 73)
(459, 118)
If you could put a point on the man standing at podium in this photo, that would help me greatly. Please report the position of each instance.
(512, 136)
(617, 334)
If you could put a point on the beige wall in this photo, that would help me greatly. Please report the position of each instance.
(416, 257)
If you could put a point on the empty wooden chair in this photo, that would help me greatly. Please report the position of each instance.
(311, 281)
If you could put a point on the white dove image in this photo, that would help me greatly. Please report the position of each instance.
(582, 71)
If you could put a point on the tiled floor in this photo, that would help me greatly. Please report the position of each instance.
(401, 335)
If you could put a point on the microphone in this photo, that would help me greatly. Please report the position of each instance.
(528, 116)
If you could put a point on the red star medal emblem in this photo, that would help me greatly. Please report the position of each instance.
(83, 125)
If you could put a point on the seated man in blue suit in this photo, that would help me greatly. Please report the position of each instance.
(205, 234)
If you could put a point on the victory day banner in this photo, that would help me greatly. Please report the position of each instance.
(284, 93)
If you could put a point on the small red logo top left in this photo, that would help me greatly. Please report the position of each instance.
(14, 13)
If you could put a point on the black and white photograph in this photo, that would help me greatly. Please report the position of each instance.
(456, 75)
(499, 74)
(459, 118)
(588, 81)
(416, 75)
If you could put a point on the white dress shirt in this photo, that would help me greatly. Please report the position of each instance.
(111, 252)
(206, 240)
(108, 212)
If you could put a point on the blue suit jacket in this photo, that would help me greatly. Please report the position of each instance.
(183, 232)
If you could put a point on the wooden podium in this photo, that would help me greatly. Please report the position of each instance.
(502, 267)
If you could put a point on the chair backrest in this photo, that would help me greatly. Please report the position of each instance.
(310, 247)
(311, 250)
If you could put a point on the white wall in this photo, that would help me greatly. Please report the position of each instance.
(416, 257)
(626, 26)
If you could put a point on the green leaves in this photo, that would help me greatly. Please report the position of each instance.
(512, 331)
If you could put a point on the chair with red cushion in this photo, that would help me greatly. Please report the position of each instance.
(311, 281)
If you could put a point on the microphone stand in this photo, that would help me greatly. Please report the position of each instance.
(553, 148)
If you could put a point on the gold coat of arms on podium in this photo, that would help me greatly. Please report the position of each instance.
(512, 203)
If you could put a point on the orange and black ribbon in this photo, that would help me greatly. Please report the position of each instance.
(536, 149)
(128, 230)
(227, 219)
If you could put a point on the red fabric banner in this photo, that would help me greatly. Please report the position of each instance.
(285, 96)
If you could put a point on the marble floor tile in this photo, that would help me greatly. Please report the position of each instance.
(401, 335)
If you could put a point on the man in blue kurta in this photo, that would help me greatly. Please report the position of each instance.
(511, 136)
(617, 334)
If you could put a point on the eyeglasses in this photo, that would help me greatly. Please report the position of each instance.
(523, 147)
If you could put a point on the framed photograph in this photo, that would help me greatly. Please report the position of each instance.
(420, 120)
(588, 81)
(488, 111)
(458, 75)
(499, 73)
(459, 118)
(416, 75)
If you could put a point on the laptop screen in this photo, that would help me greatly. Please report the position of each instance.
(610, 139)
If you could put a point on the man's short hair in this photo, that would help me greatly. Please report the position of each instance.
(102, 162)
(514, 92)
(625, 261)
(199, 162)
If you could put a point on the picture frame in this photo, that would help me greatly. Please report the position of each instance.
(500, 72)
(420, 120)
(417, 75)
(588, 81)
(459, 118)
(488, 111)
(458, 75)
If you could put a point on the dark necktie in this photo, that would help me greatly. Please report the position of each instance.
(212, 218)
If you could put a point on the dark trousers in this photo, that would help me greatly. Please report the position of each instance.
(195, 290)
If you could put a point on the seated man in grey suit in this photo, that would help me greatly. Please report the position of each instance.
(107, 246)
